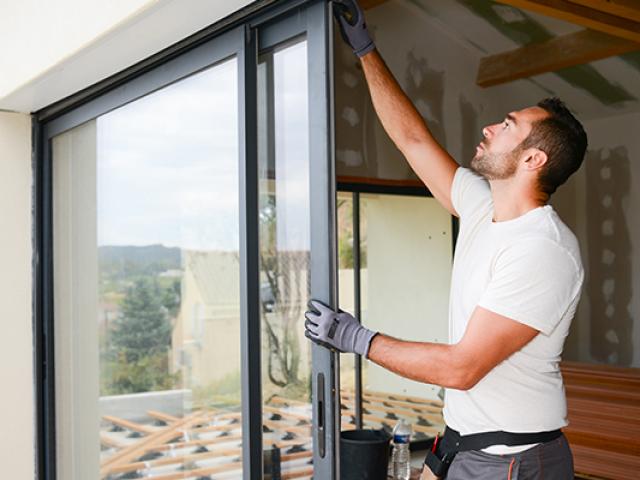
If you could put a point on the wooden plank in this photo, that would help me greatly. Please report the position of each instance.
(165, 417)
(406, 398)
(279, 411)
(605, 464)
(129, 425)
(109, 442)
(581, 15)
(380, 181)
(602, 393)
(288, 401)
(194, 457)
(194, 443)
(367, 4)
(159, 437)
(283, 427)
(401, 411)
(306, 472)
(604, 427)
(381, 420)
(236, 466)
(216, 428)
(620, 8)
(386, 398)
(620, 377)
(579, 407)
(560, 52)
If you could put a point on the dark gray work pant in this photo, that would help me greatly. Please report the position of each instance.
(547, 461)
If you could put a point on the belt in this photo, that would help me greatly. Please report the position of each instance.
(445, 448)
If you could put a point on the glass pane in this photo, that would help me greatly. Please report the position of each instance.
(406, 251)
(284, 259)
(147, 314)
(346, 297)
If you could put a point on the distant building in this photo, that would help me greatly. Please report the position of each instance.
(206, 335)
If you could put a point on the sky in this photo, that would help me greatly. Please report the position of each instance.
(167, 164)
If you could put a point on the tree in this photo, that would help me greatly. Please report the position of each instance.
(282, 300)
(140, 341)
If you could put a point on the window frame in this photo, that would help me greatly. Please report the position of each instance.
(258, 27)
(357, 187)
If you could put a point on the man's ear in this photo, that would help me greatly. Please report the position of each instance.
(534, 158)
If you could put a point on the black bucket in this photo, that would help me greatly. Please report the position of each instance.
(364, 454)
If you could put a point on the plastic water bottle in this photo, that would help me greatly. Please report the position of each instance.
(400, 456)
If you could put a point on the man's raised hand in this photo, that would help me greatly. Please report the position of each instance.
(353, 26)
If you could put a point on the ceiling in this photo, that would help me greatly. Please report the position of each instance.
(610, 86)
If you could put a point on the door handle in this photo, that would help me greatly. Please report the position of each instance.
(321, 434)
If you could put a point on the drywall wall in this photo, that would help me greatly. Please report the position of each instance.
(16, 342)
(599, 204)
(437, 71)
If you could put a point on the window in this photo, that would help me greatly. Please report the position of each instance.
(403, 267)
(171, 243)
(284, 213)
(146, 292)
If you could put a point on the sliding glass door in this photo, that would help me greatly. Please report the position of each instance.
(146, 284)
(296, 212)
(186, 217)
(395, 258)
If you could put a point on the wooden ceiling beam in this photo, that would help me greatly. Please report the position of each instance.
(579, 14)
(366, 4)
(560, 52)
(619, 8)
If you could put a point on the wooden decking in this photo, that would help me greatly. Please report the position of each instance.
(604, 431)
(207, 443)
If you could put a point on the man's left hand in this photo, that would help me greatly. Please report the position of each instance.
(338, 330)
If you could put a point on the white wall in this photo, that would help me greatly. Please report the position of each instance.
(600, 205)
(16, 342)
(67, 45)
(67, 26)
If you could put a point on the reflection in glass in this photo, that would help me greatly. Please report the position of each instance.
(284, 259)
(405, 268)
(346, 294)
(147, 312)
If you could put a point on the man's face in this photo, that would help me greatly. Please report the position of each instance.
(497, 155)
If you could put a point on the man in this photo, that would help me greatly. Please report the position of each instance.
(516, 281)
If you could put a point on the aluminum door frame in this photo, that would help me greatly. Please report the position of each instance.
(275, 23)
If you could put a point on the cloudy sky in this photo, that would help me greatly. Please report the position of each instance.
(168, 163)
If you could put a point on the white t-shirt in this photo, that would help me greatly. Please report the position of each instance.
(527, 269)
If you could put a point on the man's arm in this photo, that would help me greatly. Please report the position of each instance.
(489, 339)
(408, 130)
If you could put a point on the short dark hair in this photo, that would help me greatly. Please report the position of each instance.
(562, 137)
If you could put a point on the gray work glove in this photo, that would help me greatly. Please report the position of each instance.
(353, 27)
(336, 330)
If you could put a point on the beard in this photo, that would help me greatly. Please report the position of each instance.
(494, 166)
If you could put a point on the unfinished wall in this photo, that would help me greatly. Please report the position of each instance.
(437, 70)
(598, 204)
(17, 410)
